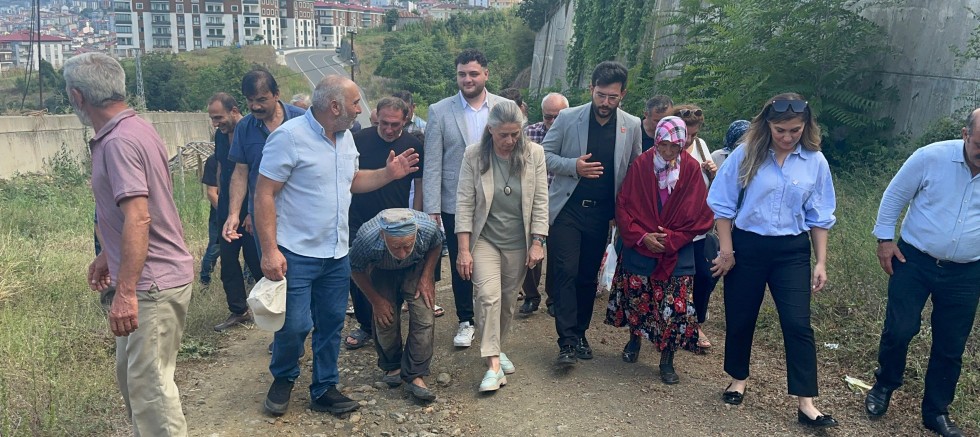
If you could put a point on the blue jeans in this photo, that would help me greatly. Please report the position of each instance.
(316, 298)
(211, 253)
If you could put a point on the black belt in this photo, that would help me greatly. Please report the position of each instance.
(941, 263)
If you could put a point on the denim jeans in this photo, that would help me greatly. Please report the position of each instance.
(211, 253)
(316, 298)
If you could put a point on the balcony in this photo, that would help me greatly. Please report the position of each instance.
(121, 8)
(250, 2)
(162, 33)
(215, 24)
(124, 19)
(217, 35)
(252, 24)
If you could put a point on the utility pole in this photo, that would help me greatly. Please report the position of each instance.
(40, 78)
(140, 92)
(352, 32)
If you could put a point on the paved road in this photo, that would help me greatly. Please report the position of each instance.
(315, 64)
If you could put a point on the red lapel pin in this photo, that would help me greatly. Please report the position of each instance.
(622, 129)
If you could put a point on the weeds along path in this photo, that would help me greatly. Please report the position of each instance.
(605, 396)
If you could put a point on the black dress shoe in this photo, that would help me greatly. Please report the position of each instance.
(943, 426)
(732, 397)
(530, 306)
(551, 310)
(631, 352)
(583, 351)
(876, 403)
(824, 421)
(566, 356)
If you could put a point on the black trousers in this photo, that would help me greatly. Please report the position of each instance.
(955, 291)
(530, 285)
(574, 253)
(782, 263)
(462, 289)
(231, 269)
(704, 284)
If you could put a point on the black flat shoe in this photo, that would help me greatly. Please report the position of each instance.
(732, 397)
(943, 426)
(631, 352)
(530, 306)
(876, 403)
(824, 421)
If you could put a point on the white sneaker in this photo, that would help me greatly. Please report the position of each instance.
(464, 336)
(506, 364)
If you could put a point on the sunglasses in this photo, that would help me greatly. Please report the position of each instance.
(685, 113)
(797, 106)
(550, 116)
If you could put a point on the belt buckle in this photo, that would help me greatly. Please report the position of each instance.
(941, 263)
(588, 204)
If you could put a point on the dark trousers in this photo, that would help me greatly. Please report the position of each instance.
(462, 289)
(782, 263)
(232, 279)
(954, 290)
(574, 253)
(530, 286)
(704, 284)
(363, 312)
(397, 286)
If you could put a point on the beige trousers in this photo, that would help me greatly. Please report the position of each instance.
(146, 360)
(497, 278)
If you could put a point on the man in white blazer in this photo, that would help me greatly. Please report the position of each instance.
(588, 149)
(454, 123)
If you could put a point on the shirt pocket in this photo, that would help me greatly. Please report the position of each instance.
(798, 194)
(347, 167)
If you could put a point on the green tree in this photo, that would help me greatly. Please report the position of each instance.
(391, 18)
(165, 82)
(737, 53)
(226, 77)
(55, 99)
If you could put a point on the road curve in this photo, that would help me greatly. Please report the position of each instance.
(315, 64)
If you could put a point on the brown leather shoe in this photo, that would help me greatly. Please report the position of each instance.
(234, 320)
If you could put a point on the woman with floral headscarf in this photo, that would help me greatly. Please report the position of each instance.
(661, 207)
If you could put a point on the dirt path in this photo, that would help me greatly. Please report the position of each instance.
(604, 396)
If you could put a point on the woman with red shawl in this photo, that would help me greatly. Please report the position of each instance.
(660, 209)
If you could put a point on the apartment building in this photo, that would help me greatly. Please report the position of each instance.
(334, 20)
(17, 50)
(297, 23)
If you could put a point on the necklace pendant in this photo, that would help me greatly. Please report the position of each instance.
(507, 190)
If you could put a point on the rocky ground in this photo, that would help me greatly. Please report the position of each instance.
(605, 396)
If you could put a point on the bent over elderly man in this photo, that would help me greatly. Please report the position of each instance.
(393, 259)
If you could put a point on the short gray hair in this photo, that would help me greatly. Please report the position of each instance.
(554, 95)
(97, 76)
(330, 88)
(505, 112)
(300, 98)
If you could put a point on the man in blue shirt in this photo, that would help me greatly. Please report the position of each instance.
(268, 113)
(303, 195)
(938, 255)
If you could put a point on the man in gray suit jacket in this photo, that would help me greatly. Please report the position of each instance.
(588, 149)
(454, 123)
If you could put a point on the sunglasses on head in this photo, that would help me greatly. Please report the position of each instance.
(684, 113)
(797, 106)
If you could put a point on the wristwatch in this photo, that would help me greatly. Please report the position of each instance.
(542, 240)
(884, 240)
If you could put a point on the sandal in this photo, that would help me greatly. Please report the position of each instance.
(438, 311)
(360, 338)
(703, 341)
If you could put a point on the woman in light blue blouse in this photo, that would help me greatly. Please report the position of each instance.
(773, 198)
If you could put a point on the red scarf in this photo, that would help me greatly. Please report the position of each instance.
(684, 216)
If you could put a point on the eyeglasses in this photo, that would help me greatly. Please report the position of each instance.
(603, 97)
(797, 106)
(685, 113)
(550, 116)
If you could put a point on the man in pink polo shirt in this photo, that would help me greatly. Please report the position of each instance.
(143, 244)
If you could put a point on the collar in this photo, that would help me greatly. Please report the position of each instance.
(111, 124)
(486, 100)
(958, 153)
(799, 150)
(314, 124)
(285, 116)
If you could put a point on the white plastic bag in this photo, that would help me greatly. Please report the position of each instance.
(608, 267)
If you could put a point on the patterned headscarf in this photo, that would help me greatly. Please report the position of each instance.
(735, 131)
(674, 130)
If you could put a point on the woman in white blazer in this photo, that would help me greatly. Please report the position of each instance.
(501, 224)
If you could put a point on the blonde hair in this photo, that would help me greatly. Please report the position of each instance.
(758, 139)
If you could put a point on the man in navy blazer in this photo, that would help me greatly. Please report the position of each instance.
(455, 122)
(588, 149)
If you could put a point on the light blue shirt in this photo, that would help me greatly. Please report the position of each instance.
(943, 197)
(312, 207)
(476, 119)
(787, 200)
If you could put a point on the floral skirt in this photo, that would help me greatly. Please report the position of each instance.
(662, 311)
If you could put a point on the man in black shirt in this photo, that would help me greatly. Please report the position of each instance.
(657, 107)
(588, 149)
(374, 145)
(224, 113)
(210, 180)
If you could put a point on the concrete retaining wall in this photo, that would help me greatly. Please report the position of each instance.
(27, 141)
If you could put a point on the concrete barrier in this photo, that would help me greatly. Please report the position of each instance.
(26, 142)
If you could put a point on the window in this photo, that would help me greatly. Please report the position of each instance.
(180, 19)
(161, 7)
(124, 41)
(214, 20)
(181, 31)
(196, 20)
(197, 43)
(124, 29)
(214, 8)
(195, 9)
(180, 8)
(234, 8)
(139, 6)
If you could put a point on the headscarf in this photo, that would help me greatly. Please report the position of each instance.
(674, 130)
(735, 131)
